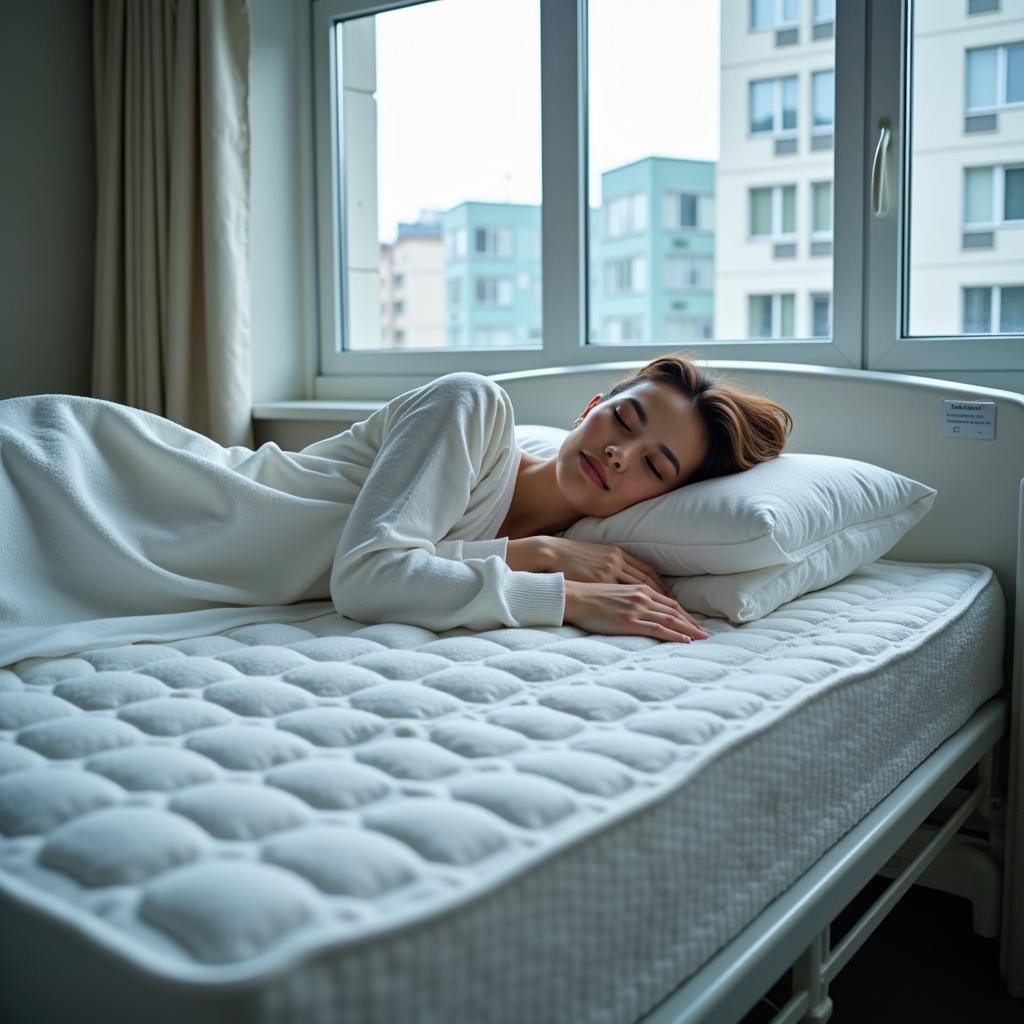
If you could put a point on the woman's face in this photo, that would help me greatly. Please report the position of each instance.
(645, 441)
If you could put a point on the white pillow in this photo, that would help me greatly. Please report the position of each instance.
(753, 540)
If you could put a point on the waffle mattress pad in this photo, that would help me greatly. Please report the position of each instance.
(330, 822)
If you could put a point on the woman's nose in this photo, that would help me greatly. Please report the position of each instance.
(615, 456)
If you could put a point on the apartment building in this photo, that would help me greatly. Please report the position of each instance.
(412, 286)
(775, 169)
(967, 149)
(652, 252)
(492, 274)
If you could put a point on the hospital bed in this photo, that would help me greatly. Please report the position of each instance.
(325, 821)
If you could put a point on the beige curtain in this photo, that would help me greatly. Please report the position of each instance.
(171, 331)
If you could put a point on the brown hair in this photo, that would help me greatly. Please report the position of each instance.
(742, 428)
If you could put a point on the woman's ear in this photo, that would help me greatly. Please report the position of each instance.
(590, 405)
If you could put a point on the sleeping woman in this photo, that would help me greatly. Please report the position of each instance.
(119, 525)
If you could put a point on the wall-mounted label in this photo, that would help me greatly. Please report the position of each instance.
(968, 419)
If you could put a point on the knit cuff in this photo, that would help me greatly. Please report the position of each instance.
(536, 598)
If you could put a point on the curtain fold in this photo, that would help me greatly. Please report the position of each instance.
(171, 331)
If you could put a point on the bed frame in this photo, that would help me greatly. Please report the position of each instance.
(894, 421)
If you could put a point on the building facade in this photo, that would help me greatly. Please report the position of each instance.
(412, 286)
(774, 181)
(652, 252)
(967, 168)
(492, 275)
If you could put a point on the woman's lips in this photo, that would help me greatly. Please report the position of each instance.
(591, 468)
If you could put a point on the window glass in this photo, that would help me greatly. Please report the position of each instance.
(978, 195)
(789, 103)
(821, 316)
(1011, 310)
(695, 145)
(1015, 74)
(761, 13)
(822, 207)
(824, 10)
(789, 210)
(760, 211)
(1013, 200)
(981, 78)
(760, 316)
(959, 260)
(762, 106)
(824, 98)
(977, 310)
(441, 196)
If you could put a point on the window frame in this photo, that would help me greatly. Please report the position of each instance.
(565, 269)
(888, 344)
(1002, 79)
(777, 232)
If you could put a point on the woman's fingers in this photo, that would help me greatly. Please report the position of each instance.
(650, 574)
(673, 605)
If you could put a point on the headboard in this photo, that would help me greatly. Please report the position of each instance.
(889, 419)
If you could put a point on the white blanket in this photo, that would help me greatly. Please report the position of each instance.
(117, 525)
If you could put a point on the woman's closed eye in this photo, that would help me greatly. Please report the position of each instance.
(623, 424)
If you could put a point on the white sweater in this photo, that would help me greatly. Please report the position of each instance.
(117, 525)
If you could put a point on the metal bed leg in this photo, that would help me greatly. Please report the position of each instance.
(808, 977)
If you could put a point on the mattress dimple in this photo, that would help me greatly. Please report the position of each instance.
(246, 795)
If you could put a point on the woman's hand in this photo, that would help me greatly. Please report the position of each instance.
(621, 609)
(584, 562)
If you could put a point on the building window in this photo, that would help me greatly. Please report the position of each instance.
(993, 195)
(823, 101)
(996, 309)
(626, 215)
(398, 306)
(770, 316)
(995, 77)
(625, 276)
(398, 280)
(493, 242)
(687, 210)
(821, 315)
(774, 14)
(455, 244)
(773, 212)
(773, 106)
(494, 291)
(455, 292)
(982, 6)
(684, 273)
(623, 328)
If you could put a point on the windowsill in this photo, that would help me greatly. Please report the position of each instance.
(344, 411)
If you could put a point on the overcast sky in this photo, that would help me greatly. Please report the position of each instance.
(458, 97)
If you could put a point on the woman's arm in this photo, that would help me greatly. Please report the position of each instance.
(387, 567)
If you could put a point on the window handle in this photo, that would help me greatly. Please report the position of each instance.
(880, 171)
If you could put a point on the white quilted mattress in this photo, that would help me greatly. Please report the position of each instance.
(333, 822)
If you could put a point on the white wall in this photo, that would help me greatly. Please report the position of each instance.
(47, 197)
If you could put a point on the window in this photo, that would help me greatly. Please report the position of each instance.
(824, 10)
(773, 212)
(398, 280)
(626, 215)
(823, 101)
(410, 116)
(496, 242)
(821, 210)
(821, 316)
(684, 273)
(998, 309)
(771, 316)
(941, 230)
(774, 13)
(773, 106)
(995, 77)
(686, 210)
(399, 307)
(494, 291)
(982, 6)
(625, 276)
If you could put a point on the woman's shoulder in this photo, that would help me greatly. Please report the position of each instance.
(466, 387)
